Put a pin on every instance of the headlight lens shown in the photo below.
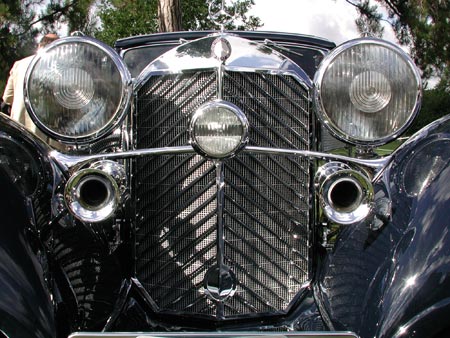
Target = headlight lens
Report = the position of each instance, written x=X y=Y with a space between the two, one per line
x=368 y=91
x=218 y=129
x=77 y=89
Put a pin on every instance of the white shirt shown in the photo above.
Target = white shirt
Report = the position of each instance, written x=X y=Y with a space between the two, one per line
x=13 y=95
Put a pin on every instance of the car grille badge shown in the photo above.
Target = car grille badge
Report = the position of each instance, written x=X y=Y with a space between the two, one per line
x=219 y=283
x=221 y=49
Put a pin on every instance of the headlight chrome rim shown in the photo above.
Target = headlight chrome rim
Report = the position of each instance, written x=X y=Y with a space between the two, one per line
x=322 y=114
x=121 y=107
x=228 y=106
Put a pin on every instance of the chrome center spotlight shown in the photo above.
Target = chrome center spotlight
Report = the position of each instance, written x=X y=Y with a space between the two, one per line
x=218 y=129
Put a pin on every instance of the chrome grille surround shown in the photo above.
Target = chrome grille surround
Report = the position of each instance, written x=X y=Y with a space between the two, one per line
x=250 y=213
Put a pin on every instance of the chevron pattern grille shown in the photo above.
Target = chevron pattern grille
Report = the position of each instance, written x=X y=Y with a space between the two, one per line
x=266 y=209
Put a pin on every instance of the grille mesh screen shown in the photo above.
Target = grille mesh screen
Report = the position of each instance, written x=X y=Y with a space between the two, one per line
x=266 y=196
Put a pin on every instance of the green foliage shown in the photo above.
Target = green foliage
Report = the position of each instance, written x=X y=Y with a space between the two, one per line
x=77 y=15
x=423 y=25
x=196 y=16
x=80 y=17
x=435 y=104
x=369 y=19
x=17 y=34
x=122 y=18
x=23 y=21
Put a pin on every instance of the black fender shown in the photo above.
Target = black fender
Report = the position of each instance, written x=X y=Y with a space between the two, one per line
x=25 y=304
x=394 y=281
x=416 y=295
x=413 y=290
x=26 y=308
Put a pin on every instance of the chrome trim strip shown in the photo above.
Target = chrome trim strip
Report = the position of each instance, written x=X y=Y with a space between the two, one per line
x=220 y=183
x=244 y=334
x=68 y=161
x=376 y=164
x=220 y=74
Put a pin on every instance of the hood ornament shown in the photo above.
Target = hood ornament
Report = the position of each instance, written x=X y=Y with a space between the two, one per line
x=219 y=12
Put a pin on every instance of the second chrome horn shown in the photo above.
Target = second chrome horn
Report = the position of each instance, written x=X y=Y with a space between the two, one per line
x=345 y=194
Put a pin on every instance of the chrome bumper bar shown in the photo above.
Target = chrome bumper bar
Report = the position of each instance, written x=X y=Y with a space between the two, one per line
x=214 y=335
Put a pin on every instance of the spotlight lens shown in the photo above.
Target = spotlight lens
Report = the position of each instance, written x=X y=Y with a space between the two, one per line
x=218 y=129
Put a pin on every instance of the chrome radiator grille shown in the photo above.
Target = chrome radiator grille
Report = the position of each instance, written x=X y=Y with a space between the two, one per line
x=266 y=206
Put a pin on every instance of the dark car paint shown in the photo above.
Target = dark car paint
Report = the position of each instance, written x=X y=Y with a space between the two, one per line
x=395 y=282
x=403 y=288
x=416 y=284
x=251 y=35
x=26 y=309
x=414 y=288
x=390 y=282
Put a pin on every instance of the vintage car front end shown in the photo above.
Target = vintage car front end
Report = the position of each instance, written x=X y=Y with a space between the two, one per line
x=204 y=194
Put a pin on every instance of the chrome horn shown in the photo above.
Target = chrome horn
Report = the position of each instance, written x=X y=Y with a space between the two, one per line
x=93 y=194
x=345 y=194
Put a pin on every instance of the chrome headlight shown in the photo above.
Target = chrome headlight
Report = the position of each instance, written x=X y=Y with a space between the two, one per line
x=367 y=91
x=218 y=129
x=77 y=89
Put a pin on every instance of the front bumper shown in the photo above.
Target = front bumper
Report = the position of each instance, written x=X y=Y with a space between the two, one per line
x=214 y=335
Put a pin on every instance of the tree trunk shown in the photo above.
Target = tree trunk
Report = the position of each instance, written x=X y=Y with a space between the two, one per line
x=169 y=15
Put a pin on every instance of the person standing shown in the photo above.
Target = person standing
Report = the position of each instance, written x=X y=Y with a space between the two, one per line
x=5 y=108
x=13 y=94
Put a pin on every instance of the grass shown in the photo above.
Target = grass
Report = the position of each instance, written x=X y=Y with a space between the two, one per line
x=383 y=150
x=389 y=147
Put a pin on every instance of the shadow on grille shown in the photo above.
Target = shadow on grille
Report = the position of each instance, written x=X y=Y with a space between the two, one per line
x=266 y=197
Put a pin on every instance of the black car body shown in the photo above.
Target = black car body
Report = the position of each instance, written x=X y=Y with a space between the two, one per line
x=224 y=184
